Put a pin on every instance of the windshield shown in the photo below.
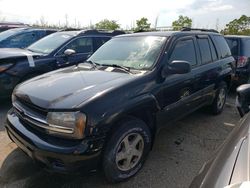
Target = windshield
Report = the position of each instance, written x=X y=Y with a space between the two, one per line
x=134 y=52
x=6 y=34
x=48 y=44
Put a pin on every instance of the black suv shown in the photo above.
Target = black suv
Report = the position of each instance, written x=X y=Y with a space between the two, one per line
x=106 y=110
x=240 y=49
x=55 y=51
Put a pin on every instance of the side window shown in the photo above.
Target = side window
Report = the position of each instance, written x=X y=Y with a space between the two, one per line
x=206 y=56
x=184 y=50
x=80 y=45
x=23 y=40
x=99 y=41
x=222 y=46
x=213 y=51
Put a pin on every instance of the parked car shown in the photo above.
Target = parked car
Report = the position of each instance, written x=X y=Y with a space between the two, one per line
x=106 y=111
x=22 y=37
x=230 y=165
x=240 y=48
x=11 y=25
x=55 y=51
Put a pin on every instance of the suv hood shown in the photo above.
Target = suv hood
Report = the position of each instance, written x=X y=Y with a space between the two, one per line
x=16 y=52
x=68 y=88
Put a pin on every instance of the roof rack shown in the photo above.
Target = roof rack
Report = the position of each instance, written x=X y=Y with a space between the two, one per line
x=198 y=29
x=95 y=31
x=70 y=29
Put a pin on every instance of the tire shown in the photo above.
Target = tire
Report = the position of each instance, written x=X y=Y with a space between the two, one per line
x=131 y=141
x=220 y=99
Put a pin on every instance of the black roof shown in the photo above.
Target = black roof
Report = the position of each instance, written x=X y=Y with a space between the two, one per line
x=31 y=29
x=76 y=32
x=170 y=33
x=237 y=36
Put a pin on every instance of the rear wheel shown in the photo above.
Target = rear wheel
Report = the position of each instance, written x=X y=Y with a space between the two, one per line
x=220 y=99
x=126 y=150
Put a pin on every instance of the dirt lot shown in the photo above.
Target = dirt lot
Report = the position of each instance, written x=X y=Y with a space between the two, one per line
x=178 y=154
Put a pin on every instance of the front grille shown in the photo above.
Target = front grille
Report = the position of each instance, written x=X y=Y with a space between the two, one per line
x=37 y=120
x=30 y=116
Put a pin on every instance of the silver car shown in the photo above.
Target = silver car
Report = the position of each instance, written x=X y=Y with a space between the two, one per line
x=230 y=166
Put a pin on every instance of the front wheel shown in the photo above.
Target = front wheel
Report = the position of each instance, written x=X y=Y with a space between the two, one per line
x=126 y=150
x=220 y=99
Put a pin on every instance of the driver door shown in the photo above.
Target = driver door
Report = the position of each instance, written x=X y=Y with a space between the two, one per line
x=83 y=47
x=179 y=91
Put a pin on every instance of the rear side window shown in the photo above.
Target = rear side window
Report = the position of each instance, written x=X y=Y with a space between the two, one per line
x=206 y=55
x=184 y=50
x=233 y=45
x=99 y=41
x=222 y=47
x=246 y=47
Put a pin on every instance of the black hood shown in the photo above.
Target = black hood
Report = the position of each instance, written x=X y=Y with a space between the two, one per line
x=68 y=88
x=16 y=53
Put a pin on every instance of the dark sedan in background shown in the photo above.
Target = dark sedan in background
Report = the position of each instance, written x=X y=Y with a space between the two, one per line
x=22 y=37
x=55 y=51
x=230 y=166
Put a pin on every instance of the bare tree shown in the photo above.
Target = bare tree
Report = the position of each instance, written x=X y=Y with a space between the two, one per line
x=43 y=22
x=217 y=24
x=66 y=21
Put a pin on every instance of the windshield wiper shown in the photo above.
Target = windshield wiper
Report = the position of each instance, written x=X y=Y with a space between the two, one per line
x=92 y=63
x=126 y=69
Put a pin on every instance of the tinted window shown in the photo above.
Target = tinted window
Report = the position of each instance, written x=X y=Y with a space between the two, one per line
x=80 y=45
x=184 y=50
x=213 y=51
x=206 y=56
x=23 y=40
x=100 y=41
x=233 y=45
x=222 y=47
x=246 y=47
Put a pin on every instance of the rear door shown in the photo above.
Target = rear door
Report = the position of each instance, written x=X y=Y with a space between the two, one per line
x=210 y=67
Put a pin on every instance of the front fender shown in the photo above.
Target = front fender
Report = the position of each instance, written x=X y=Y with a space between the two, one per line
x=107 y=121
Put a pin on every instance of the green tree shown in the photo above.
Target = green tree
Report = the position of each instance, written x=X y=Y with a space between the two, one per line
x=239 y=26
x=183 y=21
x=107 y=24
x=142 y=24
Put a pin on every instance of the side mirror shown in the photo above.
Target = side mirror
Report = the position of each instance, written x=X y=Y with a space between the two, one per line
x=69 y=52
x=243 y=99
x=176 y=67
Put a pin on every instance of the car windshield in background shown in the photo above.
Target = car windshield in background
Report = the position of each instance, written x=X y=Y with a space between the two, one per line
x=48 y=44
x=233 y=45
x=134 y=52
x=5 y=34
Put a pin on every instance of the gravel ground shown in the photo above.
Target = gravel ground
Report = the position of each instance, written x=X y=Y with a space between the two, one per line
x=179 y=152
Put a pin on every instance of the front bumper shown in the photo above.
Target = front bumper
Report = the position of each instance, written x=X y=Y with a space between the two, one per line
x=56 y=153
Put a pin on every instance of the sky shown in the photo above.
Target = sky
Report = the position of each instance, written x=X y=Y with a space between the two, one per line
x=204 y=13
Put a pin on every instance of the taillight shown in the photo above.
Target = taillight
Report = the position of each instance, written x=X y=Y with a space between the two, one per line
x=242 y=61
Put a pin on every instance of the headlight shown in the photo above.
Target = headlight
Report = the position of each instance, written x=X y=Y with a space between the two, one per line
x=5 y=66
x=68 y=124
